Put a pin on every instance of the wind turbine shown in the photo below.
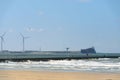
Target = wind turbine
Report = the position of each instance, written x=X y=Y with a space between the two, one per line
x=2 y=40
x=23 y=40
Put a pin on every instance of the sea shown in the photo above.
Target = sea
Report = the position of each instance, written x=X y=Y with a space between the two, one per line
x=108 y=65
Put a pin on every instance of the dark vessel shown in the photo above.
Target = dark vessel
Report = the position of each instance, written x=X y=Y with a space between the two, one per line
x=88 y=50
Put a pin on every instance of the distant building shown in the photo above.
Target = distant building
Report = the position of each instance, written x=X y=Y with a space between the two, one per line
x=88 y=50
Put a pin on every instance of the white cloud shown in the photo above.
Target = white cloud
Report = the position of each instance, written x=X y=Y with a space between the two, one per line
x=30 y=29
x=59 y=28
x=11 y=30
x=85 y=1
x=40 y=30
x=40 y=13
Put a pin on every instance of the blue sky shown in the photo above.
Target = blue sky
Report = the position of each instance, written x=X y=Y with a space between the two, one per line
x=57 y=24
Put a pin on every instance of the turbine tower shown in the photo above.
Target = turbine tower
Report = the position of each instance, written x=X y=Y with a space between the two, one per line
x=23 y=41
x=2 y=40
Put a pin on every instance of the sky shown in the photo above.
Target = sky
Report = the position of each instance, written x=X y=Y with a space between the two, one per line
x=58 y=24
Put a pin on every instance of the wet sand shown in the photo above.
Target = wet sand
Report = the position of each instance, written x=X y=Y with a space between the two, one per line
x=48 y=75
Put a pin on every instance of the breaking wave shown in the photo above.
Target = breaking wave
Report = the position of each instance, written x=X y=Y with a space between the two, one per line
x=94 y=65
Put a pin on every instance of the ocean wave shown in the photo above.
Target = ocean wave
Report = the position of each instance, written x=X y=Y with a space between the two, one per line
x=107 y=65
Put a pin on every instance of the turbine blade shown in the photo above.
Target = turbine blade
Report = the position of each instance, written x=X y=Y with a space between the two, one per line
x=21 y=34
x=24 y=36
x=4 y=34
x=2 y=39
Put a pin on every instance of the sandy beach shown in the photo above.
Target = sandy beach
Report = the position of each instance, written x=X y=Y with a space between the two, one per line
x=48 y=75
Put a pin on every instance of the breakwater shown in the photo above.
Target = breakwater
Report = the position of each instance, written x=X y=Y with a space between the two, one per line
x=52 y=55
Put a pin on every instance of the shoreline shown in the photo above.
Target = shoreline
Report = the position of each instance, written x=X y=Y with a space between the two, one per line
x=55 y=75
x=61 y=71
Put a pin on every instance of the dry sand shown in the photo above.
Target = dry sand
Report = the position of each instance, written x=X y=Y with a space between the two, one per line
x=44 y=75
